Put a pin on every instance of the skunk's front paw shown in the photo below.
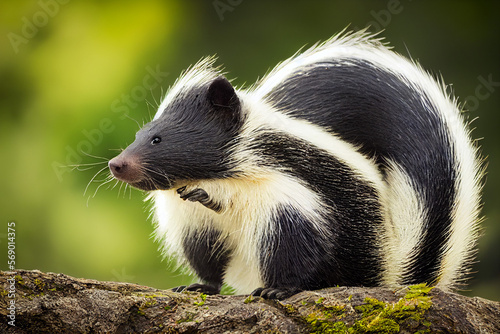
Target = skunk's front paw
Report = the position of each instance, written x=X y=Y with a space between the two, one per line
x=275 y=293
x=199 y=195
x=194 y=195
x=197 y=287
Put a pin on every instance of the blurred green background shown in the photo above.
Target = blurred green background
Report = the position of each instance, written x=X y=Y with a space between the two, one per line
x=76 y=75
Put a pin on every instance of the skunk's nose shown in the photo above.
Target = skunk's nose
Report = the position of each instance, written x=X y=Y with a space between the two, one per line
x=125 y=168
x=117 y=166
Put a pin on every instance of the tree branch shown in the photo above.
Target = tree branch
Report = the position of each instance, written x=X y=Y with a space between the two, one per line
x=52 y=303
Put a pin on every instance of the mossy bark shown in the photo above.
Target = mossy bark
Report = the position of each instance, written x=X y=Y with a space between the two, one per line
x=53 y=303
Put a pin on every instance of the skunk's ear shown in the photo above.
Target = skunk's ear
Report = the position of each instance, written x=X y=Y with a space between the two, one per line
x=225 y=104
x=222 y=94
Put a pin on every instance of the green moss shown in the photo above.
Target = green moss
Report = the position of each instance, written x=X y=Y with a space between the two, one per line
x=249 y=299
x=30 y=289
x=320 y=300
x=380 y=317
x=289 y=308
x=149 y=302
x=371 y=305
x=19 y=279
x=203 y=299
x=40 y=284
x=318 y=322
x=325 y=318
x=375 y=316
x=324 y=322
x=339 y=327
x=330 y=310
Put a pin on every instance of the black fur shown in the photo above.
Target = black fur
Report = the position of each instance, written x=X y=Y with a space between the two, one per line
x=380 y=112
x=297 y=256
x=207 y=255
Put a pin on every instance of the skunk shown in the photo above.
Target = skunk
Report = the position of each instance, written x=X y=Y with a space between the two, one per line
x=347 y=164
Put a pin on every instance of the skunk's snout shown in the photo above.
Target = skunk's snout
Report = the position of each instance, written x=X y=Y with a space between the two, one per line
x=125 y=168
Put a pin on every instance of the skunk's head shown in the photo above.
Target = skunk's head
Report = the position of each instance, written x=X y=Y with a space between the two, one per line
x=189 y=139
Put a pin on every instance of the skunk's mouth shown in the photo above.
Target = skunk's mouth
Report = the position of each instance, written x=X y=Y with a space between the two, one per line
x=149 y=185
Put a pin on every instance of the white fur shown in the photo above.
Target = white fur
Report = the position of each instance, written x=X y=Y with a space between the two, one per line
x=405 y=218
x=465 y=228
x=249 y=204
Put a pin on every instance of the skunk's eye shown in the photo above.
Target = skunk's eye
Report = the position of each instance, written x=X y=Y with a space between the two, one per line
x=155 y=140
